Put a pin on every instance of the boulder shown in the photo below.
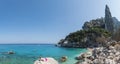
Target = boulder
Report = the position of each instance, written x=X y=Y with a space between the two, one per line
x=10 y=52
x=48 y=60
x=63 y=58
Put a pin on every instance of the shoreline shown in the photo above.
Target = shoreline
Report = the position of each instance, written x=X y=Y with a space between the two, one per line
x=101 y=55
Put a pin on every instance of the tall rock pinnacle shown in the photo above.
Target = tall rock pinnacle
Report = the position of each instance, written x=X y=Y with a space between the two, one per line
x=109 y=25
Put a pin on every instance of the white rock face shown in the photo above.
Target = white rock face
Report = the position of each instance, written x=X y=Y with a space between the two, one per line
x=46 y=61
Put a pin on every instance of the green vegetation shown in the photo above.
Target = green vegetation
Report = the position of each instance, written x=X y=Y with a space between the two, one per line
x=99 y=32
x=96 y=32
x=80 y=38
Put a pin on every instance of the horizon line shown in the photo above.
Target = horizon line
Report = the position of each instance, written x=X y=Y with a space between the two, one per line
x=26 y=43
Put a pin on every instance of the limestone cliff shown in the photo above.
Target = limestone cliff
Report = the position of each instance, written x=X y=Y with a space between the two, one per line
x=94 y=32
x=109 y=24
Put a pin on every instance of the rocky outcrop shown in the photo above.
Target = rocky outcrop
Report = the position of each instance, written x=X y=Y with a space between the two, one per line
x=94 y=33
x=102 y=55
x=116 y=24
x=10 y=52
x=94 y=23
x=100 y=22
x=109 y=24
x=93 y=37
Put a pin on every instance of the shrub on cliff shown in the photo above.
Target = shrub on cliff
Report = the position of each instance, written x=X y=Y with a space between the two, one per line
x=82 y=38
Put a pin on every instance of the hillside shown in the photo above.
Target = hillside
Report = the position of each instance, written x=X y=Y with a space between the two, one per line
x=94 y=33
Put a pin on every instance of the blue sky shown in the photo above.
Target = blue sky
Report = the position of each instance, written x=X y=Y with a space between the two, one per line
x=47 y=21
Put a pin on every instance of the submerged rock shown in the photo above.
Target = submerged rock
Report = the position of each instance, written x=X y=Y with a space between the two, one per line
x=10 y=52
x=63 y=59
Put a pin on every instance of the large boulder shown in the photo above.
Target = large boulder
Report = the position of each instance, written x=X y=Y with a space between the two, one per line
x=47 y=60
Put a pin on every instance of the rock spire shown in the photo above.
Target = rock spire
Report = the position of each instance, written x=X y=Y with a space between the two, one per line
x=109 y=25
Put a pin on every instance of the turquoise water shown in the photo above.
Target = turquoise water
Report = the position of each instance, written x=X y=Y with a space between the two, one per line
x=28 y=53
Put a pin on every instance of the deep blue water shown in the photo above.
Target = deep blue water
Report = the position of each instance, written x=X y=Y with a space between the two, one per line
x=28 y=53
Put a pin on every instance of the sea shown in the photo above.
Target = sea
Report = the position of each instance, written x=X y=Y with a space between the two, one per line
x=28 y=53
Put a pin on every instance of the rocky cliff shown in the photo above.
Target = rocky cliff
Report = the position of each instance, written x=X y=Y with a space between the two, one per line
x=116 y=24
x=95 y=32
x=94 y=23
x=108 y=23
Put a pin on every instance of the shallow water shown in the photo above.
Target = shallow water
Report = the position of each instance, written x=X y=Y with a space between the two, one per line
x=28 y=53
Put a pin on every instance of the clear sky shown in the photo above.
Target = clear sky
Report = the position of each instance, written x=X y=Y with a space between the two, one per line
x=47 y=21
